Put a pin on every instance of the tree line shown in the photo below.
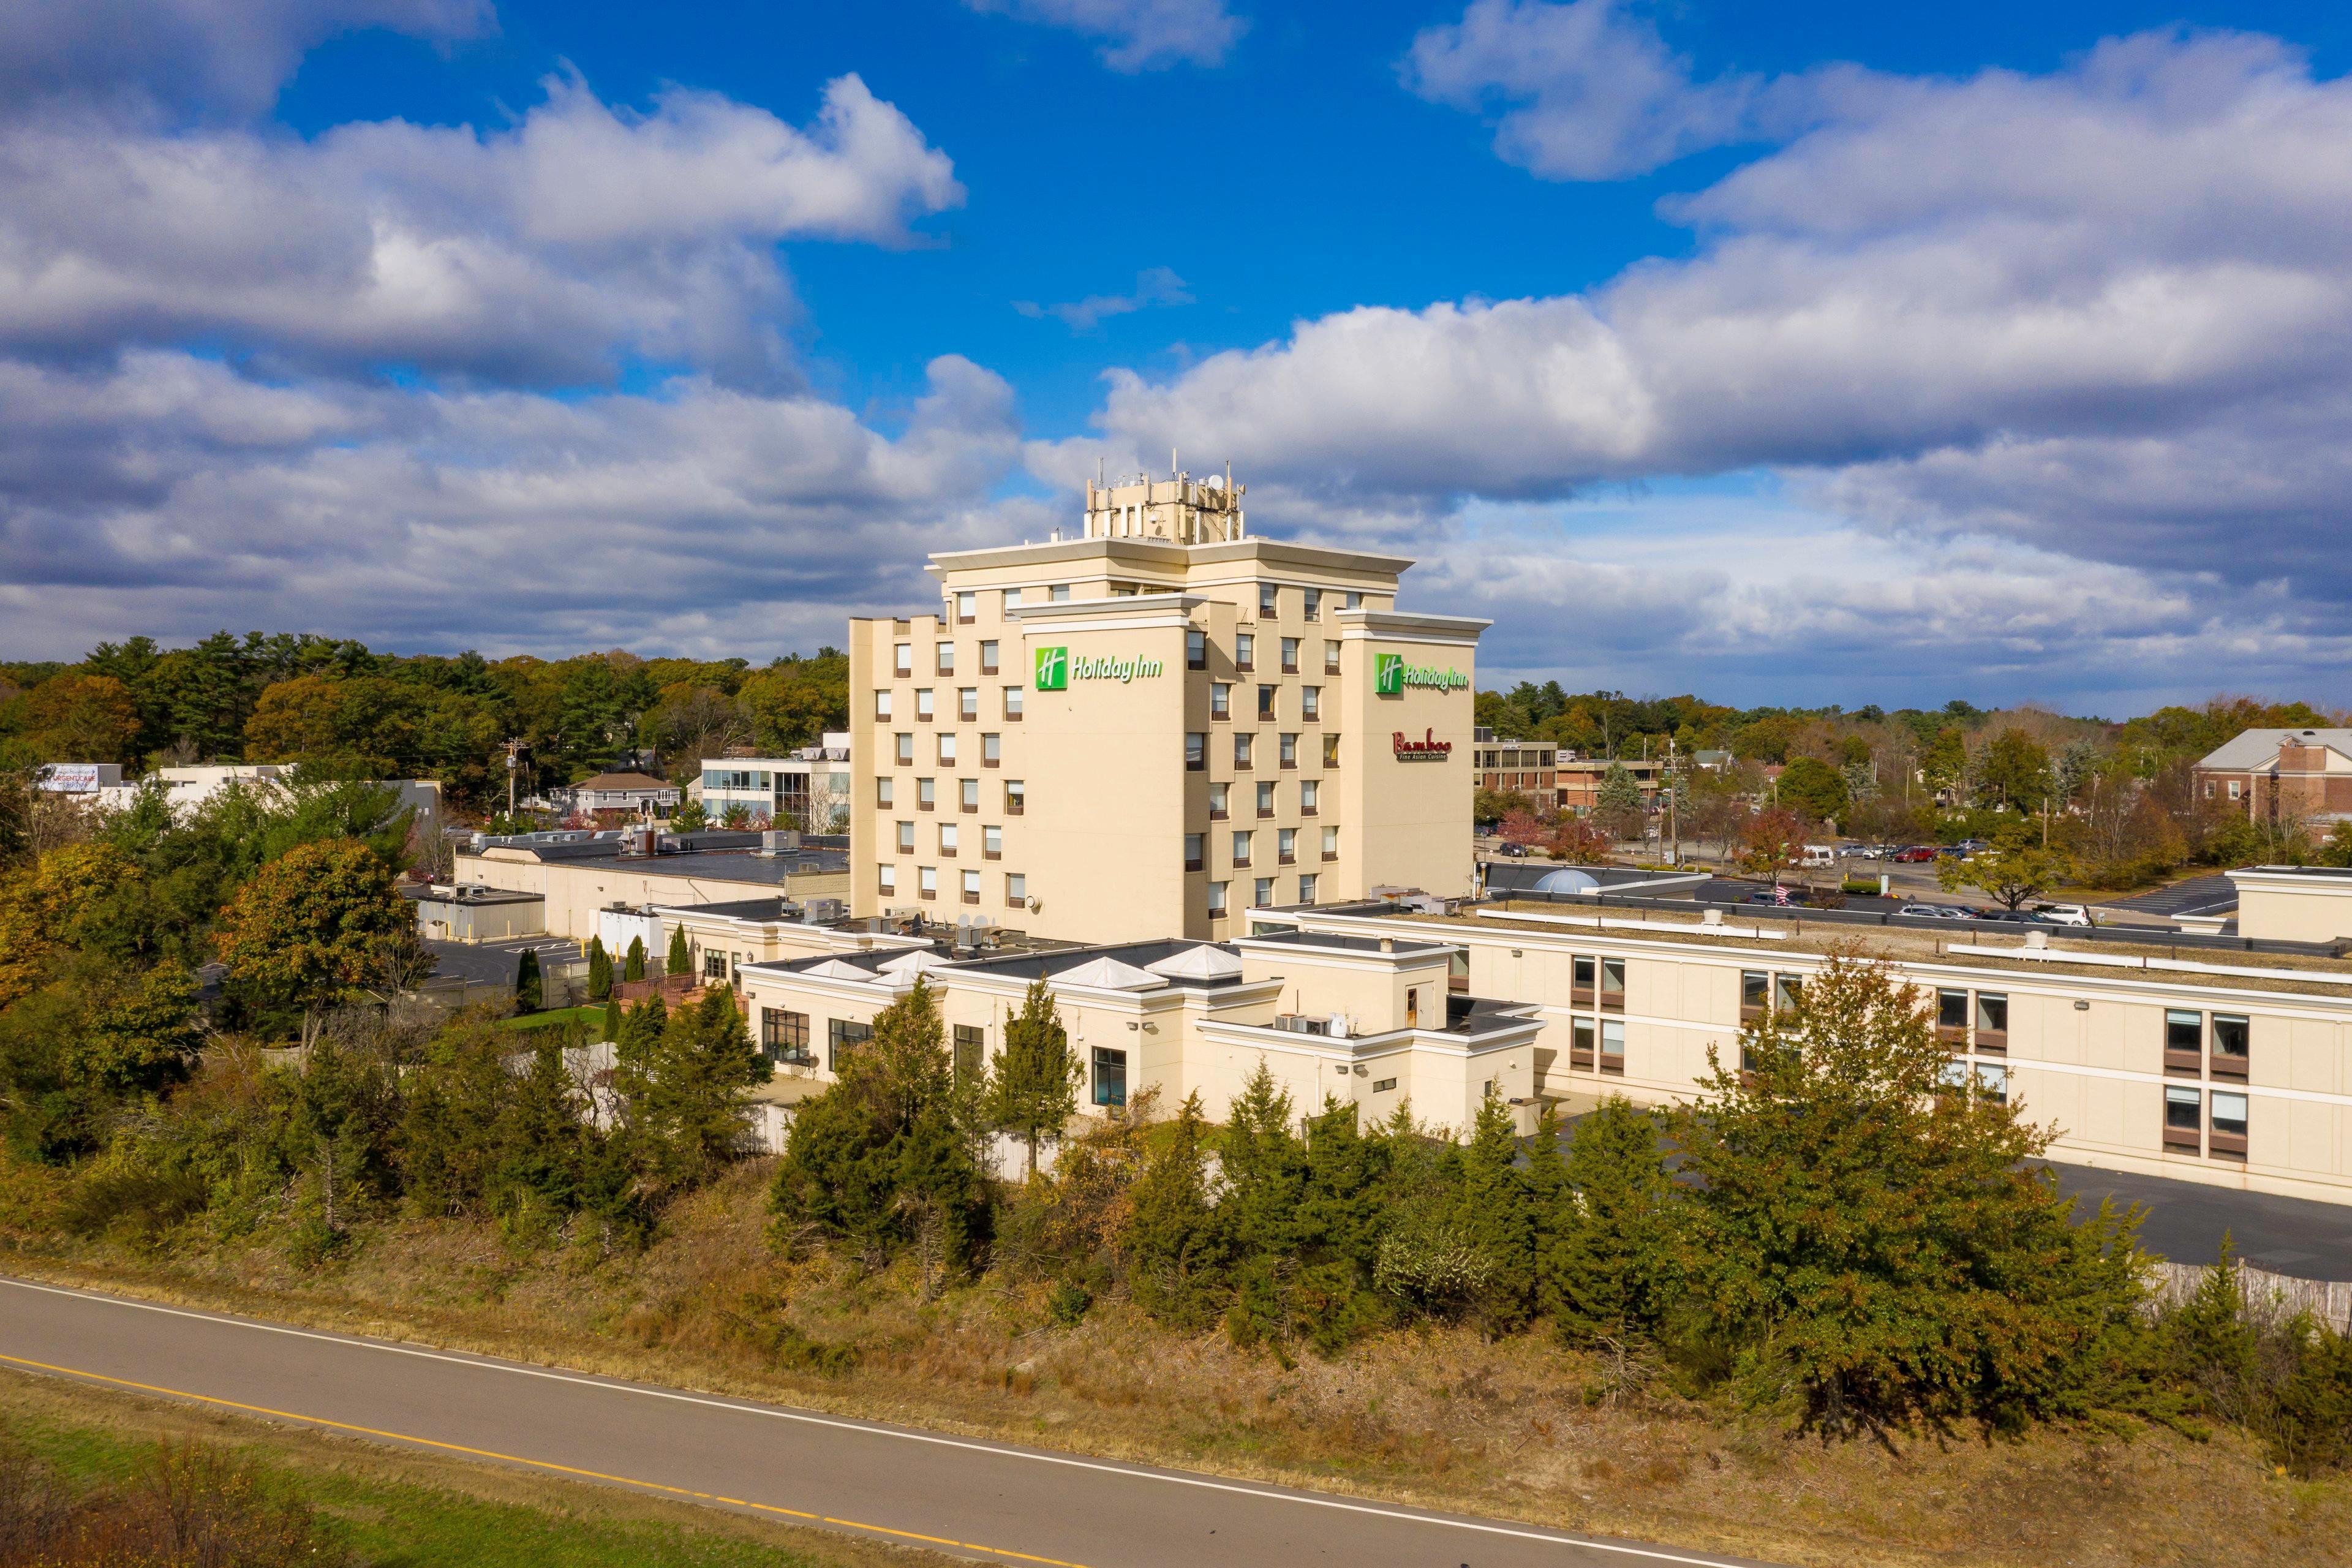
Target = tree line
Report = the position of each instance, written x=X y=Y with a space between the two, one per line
x=336 y=704
x=1837 y=1230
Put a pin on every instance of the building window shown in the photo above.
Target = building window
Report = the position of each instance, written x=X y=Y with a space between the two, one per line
x=2232 y=1046
x=1412 y=1006
x=1289 y=750
x=926 y=881
x=1952 y=1017
x=1310 y=797
x=1353 y=602
x=1217 y=900
x=946 y=748
x=2183 y=1111
x=1263 y=894
x=1310 y=703
x=1612 y=984
x=1384 y=1085
x=1269 y=599
x=1265 y=702
x=1244 y=651
x=714 y=966
x=1058 y=594
x=927 y=793
x=1307 y=889
x=1220 y=700
x=1016 y=797
x=1755 y=992
x=1992 y=1021
x=1290 y=655
x=2233 y=789
x=1192 y=861
x=887 y=882
x=784 y=1036
x=968 y=793
x=1285 y=847
x=1330 y=658
x=906 y=838
x=1993 y=1082
x=886 y=790
x=1110 y=1075
x=1330 y=844
x=842 y=1036
x=1310 y=603
x=1196 y=751
x=948 y=839
x=1331 y=751
x=922 y=704
x=1217 y=799
x=1016 y=889
x=1241 y=848
x=1266 y=798
x=968 y=704
x=988 y=656
x=2228 y=1131
x=2184 y=1042
x=972 y=887
x=1011 y=598
x=991 y=749
x=1613 y=1041
x=971 y=1052
x=1196 y=650
x=1242 y=750
x=946 y=652
x=905 y=746
x=1013 y=705
x=967 y=604
x=992 y=842
x=903 y=659
x=882 y=703
x=1788 y=990
x=1579 y=1045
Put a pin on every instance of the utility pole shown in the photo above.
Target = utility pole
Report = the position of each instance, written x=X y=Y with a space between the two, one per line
x=514 y=749
x=1673 y=820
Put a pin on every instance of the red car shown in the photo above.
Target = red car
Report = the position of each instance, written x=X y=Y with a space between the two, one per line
x=1913 y=855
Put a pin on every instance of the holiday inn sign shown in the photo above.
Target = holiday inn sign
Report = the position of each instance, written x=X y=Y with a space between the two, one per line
x=1057 y=668
x=1391 y=675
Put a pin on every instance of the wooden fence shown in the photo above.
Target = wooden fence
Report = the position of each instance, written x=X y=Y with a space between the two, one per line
x=2269 y=1296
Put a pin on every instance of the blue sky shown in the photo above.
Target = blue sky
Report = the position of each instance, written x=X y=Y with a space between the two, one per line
x=1856 y=353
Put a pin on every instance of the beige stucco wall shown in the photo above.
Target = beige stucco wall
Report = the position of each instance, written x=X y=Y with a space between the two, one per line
x=575 y=892
x=2293 y=908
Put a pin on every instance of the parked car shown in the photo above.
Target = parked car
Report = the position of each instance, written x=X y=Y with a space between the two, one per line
x=1947 y=852
x=1515 y=851
x=2065 y=914
x=1939 y=911
x=1914 y=854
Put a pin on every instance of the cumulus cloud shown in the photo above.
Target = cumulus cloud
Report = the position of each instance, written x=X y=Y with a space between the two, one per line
x=200 y=56
x=1153 y=286
x=538 y=252
x=170 y=494
x=2081 y=311
x=1137 y=35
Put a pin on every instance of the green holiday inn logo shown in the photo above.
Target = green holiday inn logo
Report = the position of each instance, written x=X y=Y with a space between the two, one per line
x=1057 y=668
x=1391 y=675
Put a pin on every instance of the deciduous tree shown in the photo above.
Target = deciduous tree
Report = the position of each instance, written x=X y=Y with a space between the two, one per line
x=302 y=932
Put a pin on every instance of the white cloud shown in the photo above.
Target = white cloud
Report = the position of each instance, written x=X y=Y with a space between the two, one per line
x=1153 y=286
x=204 y=57
x=171 y=495
x=2105 y=311
x=536 y=253
x=1137 y=35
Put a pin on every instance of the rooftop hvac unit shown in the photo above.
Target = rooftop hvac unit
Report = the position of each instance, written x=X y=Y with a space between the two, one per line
x=823 y=909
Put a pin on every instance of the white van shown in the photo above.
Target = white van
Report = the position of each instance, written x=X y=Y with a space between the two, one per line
x=1819 y=857
x=2065 y=914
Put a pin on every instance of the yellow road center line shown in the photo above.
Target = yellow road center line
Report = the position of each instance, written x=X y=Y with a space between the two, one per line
x=534 y=1464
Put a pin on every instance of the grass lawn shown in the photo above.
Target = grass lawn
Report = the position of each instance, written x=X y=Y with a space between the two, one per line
x=399 y=1510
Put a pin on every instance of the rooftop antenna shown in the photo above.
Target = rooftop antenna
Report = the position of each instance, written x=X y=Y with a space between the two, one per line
x=1171 y=462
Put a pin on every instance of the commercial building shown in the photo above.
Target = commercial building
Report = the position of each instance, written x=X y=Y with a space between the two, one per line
x=184 y=789
x=2270 y=774
x=1132 y=734
x=809 y=789
x=579 y=874
x=1515 y=767
x=1577 y=780
x=80 y=778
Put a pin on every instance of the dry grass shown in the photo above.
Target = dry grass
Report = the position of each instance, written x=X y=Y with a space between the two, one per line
x=1517 y=1428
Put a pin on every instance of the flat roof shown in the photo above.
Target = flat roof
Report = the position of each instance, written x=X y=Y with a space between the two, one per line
x=1405 y=946
x=721 y=866
x=1141 y=954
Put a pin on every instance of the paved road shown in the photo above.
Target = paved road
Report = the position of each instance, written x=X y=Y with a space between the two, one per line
x=987 y=1501
x=2186 y=1222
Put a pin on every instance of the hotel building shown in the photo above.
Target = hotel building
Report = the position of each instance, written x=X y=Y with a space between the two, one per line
x=1136 y=733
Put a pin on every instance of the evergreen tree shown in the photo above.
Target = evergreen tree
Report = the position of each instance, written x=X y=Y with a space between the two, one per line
x=600 y=969
x=1174 y=1259
x=683 y=1090
x=1264 y=1165
x=636 y=967
x=1034 y=1089
x=1495 y=1215
x=611 y=1029
x=526 y=983
x=1608 y=1264
x=1880 y=1246
x=682 y=960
